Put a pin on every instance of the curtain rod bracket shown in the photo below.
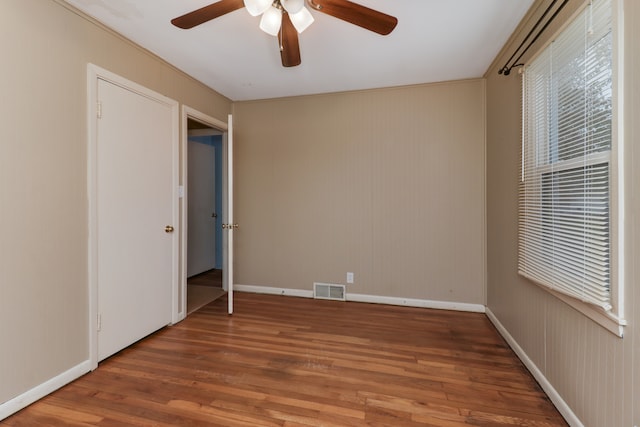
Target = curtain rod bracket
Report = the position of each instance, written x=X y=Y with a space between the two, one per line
x=507 y=70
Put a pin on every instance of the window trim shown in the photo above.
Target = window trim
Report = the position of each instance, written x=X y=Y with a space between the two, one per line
x=612 y=320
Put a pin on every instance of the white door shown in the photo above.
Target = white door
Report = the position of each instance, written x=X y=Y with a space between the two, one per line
x=231 y=225
x=202 y=208
x=134 y=192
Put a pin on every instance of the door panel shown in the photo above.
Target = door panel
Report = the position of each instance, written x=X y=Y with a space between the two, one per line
x=230 y=218
x=135 y=202
x=201 y=208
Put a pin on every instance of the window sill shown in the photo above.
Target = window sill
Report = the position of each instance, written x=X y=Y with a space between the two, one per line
x=607 y=320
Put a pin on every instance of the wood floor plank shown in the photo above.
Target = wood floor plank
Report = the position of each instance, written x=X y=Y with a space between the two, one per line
x=281 y=361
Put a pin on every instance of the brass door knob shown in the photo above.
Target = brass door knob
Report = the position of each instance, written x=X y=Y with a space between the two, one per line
x=168 y=229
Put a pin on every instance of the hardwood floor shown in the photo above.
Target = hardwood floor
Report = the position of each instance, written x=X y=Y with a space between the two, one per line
x=199 y=296
x=203 y=288
x=283 y=361
x=208 y=278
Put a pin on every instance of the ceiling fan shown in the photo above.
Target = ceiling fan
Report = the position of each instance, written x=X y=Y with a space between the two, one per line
x=286 y=18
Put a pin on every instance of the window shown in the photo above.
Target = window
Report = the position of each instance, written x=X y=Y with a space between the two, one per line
x=565 y=227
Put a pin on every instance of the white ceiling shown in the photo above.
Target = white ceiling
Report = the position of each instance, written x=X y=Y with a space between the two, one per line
x=435 y=40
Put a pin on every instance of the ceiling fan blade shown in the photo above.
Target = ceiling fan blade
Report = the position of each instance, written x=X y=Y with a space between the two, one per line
x=288 y=39
x=356 y=14
x=207 y=13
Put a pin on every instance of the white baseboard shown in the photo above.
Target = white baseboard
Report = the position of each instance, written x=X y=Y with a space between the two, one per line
x=413 y=302
x=553 y=394
x=273 y=291
x=27 y=398
x=375 y=299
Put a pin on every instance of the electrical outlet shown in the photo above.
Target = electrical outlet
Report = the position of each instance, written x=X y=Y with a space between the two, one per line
x=349 y=277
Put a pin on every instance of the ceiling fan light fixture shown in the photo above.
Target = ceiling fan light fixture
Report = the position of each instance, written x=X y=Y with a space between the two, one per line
x=292 y=6
x=257 y=7
x=271 y=21
x=286 y=19
x=301 y=20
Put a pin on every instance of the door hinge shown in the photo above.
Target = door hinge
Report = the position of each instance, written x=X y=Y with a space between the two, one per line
x=99 y=322
x=99 y=109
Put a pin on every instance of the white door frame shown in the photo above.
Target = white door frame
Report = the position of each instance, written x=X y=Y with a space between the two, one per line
x=191 y=113
x=94 y=73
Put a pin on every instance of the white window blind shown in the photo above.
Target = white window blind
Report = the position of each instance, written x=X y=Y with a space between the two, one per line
x=564 y=216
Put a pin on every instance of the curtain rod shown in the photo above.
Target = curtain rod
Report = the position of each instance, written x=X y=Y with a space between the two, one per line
x=506 y=69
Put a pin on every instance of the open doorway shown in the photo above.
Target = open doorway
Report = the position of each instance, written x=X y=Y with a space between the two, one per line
x=204 y=214
x=200 y=124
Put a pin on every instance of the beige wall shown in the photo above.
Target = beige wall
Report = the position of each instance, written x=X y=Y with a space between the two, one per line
x=45 y=49
x=388 y=184
x=595 y=372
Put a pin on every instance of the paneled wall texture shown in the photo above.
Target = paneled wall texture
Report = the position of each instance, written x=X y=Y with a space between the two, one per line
x=387 y=184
